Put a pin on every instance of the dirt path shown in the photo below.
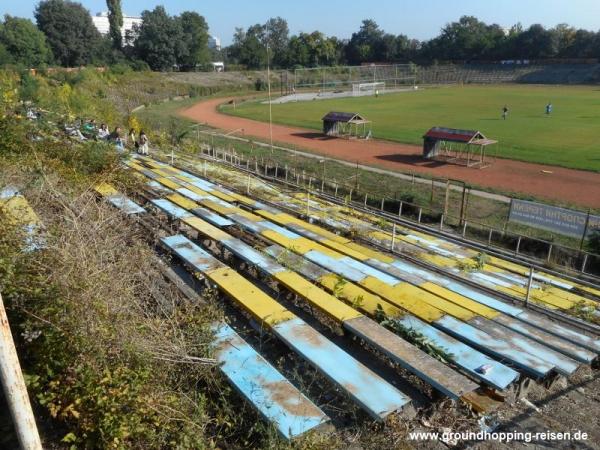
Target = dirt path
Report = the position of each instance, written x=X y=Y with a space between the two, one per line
x=568 y=185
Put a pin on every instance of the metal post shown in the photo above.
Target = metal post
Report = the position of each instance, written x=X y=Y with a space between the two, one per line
x=518 y=245
x=14 y=388
x=464 y=232
x=393 y=237
x=585 y=230
x=420 y=212
x=441 y=222
x=490 y=237
x=432 y=190
x=366 y=199
x=462 y=204
x=336 y=190
x=549 y=252
x=447 y=197
x=276 y=169
x=529 y=285
x=585 y=258
x=382 y=202
x=400 y=210
x=286 y=172
x=307 y=205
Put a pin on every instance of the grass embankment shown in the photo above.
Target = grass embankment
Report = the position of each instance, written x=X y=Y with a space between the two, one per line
x=104 y=340
x=100 y=337
x=113 y=354
x=568 y=137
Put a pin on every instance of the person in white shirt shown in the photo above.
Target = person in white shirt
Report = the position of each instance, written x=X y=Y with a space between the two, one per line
x=103 y=132
x=143 y=143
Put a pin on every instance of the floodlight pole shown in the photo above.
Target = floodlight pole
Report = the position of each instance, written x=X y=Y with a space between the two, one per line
x=270 y=104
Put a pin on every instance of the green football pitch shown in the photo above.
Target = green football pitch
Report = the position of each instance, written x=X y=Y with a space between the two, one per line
x=569 y=137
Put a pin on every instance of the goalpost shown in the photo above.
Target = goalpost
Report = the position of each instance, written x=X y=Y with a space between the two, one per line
x=344 y=78
x=360 y=89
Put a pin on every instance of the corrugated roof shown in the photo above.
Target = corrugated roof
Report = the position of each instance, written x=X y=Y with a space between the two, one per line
x=452 y=134
x=335 y=116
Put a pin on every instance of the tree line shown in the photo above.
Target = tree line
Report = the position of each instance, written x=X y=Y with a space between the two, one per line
x=64 y=35
x=466 y=40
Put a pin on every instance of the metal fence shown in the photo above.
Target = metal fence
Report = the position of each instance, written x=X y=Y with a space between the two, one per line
x=456 y=226
x=344 y=77
x=394 y=75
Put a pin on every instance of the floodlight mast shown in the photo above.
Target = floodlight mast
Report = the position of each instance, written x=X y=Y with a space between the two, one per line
x=269 y=90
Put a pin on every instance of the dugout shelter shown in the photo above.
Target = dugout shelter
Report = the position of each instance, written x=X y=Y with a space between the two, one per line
x=465 y=147
x=347 y=125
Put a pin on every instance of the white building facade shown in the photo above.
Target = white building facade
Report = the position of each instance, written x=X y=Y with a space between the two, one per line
x=101 y=23
x=214 y=43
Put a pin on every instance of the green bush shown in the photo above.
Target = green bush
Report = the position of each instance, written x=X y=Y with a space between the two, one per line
x=120 y=68
x=88 y=158
x=29 y=89
x=260 y=85
x=593 y=244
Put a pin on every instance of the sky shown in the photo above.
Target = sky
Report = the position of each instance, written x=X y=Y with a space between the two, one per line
x=417 y=19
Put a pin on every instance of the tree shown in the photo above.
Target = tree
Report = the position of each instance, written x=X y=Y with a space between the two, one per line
x=367 y=44
x=248 y=48
x=584 y=45
x=275 y=33
x=233 y=51
x=253 y=53
x=160 y=40
x=69 y=30
x=467 y=39
x=312 y=50
x=24 y=42
x=563 y=37
x=388 y=48
x=5 y=56
x=195 y=36
x=115 y=20
x=298 y=51
x=535 y=43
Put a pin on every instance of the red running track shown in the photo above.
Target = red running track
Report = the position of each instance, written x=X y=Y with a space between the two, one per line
x=567 y=185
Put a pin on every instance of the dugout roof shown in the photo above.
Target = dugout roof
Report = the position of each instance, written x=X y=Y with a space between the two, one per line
x=344 y=117
x=455 y=135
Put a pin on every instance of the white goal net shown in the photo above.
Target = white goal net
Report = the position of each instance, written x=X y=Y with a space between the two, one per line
x=359 y=89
